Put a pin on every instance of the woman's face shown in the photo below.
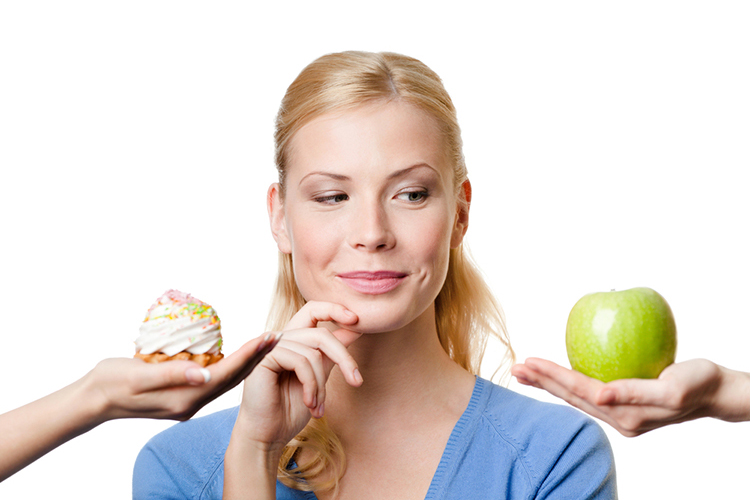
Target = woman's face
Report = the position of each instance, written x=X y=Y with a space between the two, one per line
x=369 y=213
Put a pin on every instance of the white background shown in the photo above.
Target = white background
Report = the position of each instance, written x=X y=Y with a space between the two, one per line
x=607 y=145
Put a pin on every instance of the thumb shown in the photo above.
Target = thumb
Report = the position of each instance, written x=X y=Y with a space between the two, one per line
x=173 y=374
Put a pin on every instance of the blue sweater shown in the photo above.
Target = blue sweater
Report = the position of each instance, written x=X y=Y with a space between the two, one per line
x=504 y=446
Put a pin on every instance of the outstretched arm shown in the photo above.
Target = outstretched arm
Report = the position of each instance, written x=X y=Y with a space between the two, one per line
x=684 y=391
x=119 y=388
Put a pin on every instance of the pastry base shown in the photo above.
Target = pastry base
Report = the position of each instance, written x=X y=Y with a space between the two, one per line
x=202 y=359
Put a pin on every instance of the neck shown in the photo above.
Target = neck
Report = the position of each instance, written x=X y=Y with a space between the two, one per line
x=405 y=372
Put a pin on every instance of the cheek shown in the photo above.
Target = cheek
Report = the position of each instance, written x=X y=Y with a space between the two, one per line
x=431 y=242
x=313 y=248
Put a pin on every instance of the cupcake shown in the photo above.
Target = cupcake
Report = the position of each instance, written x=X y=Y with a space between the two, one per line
x=179 y=326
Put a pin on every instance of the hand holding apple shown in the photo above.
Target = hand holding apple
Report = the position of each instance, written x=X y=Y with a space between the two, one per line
x=618 y=335
x=684 y=391
x=622 y=338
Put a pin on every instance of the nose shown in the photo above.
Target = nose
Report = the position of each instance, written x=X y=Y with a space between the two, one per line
x=370 y=228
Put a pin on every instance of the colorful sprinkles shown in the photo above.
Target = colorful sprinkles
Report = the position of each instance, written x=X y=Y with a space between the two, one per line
x=180 y=305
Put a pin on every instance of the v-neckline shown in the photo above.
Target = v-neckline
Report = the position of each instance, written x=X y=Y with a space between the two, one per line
x=452 y=447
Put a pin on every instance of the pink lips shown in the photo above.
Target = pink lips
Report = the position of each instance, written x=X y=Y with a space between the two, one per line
x=372 y=283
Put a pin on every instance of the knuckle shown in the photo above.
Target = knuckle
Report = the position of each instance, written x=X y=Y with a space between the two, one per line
x=628 y=396
x=133 y=382
x=316 y=355
x=182 y=411
x=625 y=393
x=631 y=424
x=321 y=336
x=677 y=400
x=578 y=389
x=629 y=433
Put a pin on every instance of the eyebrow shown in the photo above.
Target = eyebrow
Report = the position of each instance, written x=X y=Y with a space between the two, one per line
x=394 y=175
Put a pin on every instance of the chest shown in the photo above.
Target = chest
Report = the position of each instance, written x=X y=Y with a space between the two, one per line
x=401 y=476
x=398 y=467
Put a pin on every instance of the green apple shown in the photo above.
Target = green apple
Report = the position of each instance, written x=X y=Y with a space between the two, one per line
x=627 y=334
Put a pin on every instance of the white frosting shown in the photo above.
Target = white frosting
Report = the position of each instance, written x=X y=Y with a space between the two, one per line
x=178 y=322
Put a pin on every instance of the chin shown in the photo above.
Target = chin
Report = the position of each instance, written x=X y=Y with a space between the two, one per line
x=381 y=318
x=367 y=326
x=380 y=314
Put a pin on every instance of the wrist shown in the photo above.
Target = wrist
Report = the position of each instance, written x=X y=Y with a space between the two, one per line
x=250 y=466
x=243 y=440
x=732 y=401
x=249 y=454
x=95 y=406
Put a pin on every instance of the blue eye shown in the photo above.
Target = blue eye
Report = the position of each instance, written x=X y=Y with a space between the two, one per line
x=414 y=196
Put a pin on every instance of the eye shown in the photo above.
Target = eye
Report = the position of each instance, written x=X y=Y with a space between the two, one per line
x=413 y=196
x=332 y=199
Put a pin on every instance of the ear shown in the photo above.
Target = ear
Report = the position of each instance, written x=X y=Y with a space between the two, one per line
x=461 y=223
x=276 y=215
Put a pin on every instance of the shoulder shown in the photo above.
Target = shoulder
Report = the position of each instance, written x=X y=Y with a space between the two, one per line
x=184 y=460
x=515 y=416
x=557 y=447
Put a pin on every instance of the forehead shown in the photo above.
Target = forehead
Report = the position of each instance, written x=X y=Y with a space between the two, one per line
x=380 y=136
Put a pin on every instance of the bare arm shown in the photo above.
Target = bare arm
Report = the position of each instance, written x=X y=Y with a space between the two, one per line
x=37 y=428
x=119 y=388
x=684 y=391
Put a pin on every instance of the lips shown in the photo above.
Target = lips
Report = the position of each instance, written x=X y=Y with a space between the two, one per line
x=372 y=282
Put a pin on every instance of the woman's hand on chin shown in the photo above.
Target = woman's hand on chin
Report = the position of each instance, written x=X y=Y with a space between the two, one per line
x=289 y=386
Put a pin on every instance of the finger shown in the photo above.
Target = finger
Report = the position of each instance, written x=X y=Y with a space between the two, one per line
x=157 y=376
x=346 y=337
x=317 y=361
x=220 y=377
x=198 y=376
x=313 y=312
x=574 y=388
x=575 y=382
x=336 y=352
x=521 y=372
x=633 y=392
x=231 y=370
x=348 y=366
x=582 y=392
x=283 y=359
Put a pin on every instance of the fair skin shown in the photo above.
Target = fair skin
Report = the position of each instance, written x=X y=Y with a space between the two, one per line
x=119 y=388
x=367 y=190
x=684 y=391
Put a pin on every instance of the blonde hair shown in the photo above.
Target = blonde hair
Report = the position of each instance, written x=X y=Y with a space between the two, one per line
x=466 y=311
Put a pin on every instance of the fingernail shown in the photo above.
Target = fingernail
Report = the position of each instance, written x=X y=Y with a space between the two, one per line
x=349 y=313
x=264 y=342
x=197 y=376
x=358 y=376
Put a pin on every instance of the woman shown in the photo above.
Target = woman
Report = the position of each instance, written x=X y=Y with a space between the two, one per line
x=372 y=392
